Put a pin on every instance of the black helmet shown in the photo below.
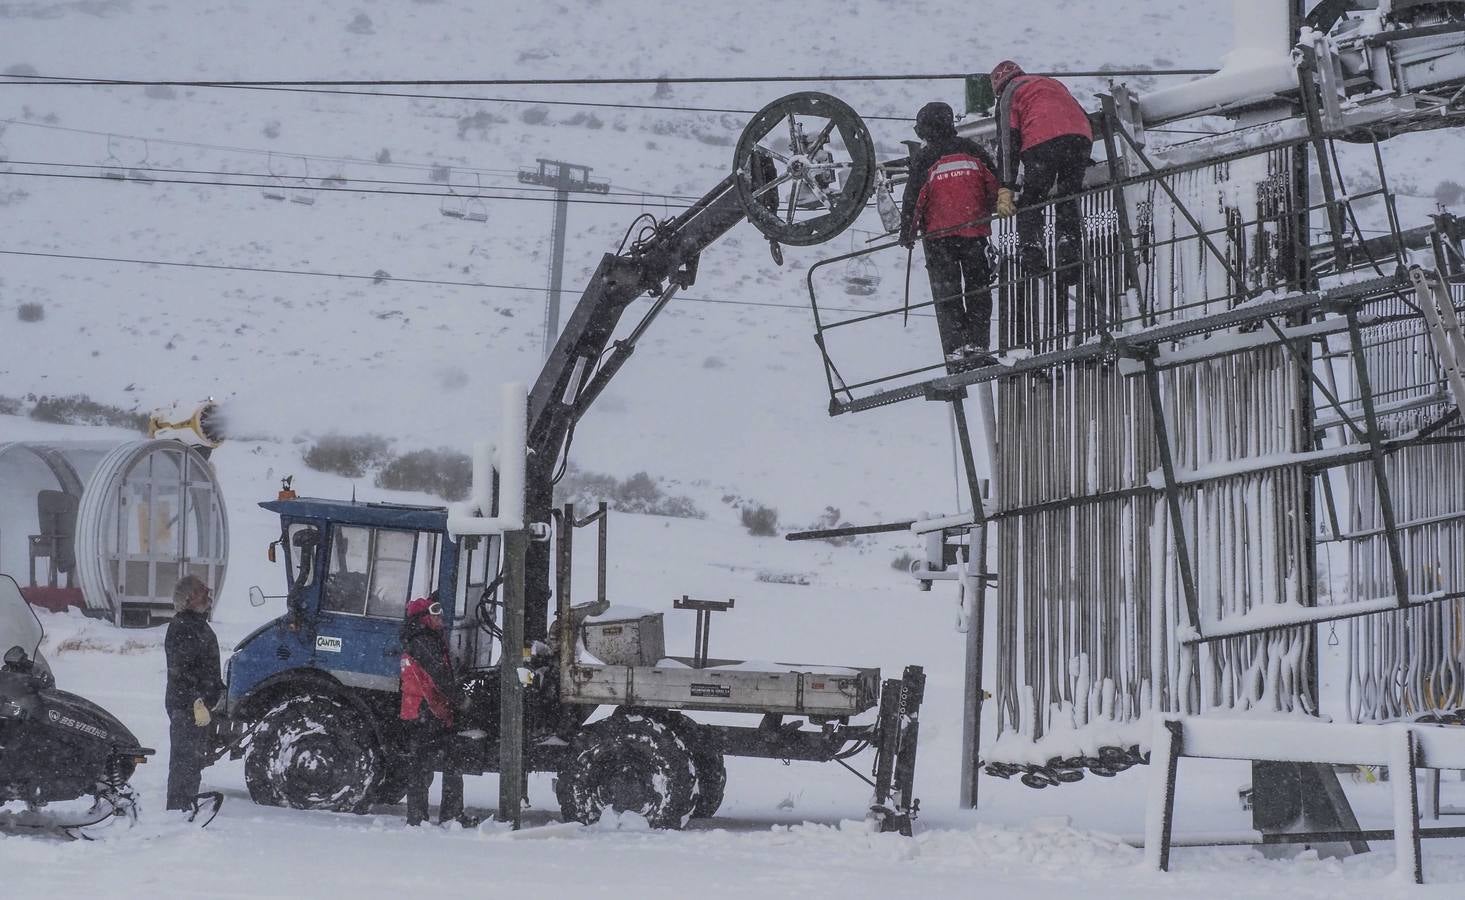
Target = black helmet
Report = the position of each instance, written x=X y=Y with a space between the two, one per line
x=935 y=120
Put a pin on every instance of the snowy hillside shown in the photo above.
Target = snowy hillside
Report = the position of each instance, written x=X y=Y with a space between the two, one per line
x=725 y=398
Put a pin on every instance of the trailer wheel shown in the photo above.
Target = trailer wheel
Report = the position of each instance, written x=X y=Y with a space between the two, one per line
x=629 y=763
x=707 y=759
x=313 y=752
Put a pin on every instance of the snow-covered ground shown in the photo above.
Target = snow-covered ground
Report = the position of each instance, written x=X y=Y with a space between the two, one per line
x=723 y=400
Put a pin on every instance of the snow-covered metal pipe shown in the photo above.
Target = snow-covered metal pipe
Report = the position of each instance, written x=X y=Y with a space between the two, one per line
x=508 y=457
x=1259 y=66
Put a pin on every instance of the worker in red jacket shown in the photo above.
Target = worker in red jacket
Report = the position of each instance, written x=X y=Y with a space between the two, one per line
x=949 y=199
x=1041 y=126
x=429 y=699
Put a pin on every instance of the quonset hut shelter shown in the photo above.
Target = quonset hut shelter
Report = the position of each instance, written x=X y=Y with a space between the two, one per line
x=110 y=527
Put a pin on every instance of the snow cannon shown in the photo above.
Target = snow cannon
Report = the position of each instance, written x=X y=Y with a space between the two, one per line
x=199 y=425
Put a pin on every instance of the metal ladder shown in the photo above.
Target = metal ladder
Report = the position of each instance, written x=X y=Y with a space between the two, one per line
x=1443 y=323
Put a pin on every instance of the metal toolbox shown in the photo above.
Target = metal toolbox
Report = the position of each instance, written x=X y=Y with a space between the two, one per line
x=730 y=686
x=637 y=640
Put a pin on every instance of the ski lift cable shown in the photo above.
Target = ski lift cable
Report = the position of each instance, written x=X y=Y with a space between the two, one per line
x=339 y=160
x=345 y=189
x=582 y=80
x=681 y=298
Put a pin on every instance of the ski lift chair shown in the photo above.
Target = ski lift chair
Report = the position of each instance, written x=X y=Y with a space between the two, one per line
x=303 y=193
x=453 y=205
x=275 y=190
x=140 y=171
x=861 y=277
x=112 y=166
x=475 y=210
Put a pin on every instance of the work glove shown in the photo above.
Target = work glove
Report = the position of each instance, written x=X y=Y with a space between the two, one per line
x=1006 y=204
x=201 y=715
x=908 y=241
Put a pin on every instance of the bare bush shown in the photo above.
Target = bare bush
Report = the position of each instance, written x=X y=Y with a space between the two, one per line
x=348 y=455
x=902 y=563
x=640 y=493
x=760 y=520
x=79 y=409
x=445 y=473
x=30 y=312
x=831 y=519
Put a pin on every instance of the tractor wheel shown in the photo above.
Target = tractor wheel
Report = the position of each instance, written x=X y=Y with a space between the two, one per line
x=707 y=759
x=629 y=762
x=313 y=752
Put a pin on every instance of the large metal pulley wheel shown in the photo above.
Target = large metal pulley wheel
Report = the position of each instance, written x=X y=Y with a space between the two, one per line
x=805 y=167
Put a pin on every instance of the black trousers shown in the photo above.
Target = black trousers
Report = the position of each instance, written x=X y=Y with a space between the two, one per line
x=961 y=288
x=187 y=744
x=429 y=749
x=1053 y=169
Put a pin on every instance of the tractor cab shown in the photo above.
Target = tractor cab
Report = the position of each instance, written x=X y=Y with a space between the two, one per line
x=350 y=569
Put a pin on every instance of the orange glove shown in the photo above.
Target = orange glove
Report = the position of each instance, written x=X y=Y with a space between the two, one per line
x=1006 y=203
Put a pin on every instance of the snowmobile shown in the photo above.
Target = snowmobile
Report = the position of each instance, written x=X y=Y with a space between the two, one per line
x=54 y=745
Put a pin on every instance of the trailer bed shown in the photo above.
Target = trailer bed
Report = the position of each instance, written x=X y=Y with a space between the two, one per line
x=728 y=686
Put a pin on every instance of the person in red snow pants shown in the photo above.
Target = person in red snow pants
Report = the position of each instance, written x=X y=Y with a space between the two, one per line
x=429 y=700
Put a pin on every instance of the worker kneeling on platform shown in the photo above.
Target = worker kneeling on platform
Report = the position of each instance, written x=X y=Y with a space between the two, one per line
x=1041 y=126
x=429 y=699
x=950 y=197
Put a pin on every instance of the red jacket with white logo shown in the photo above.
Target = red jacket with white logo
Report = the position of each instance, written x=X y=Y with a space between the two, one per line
x=959 y=187
x=425 y=663
x=1043 y=109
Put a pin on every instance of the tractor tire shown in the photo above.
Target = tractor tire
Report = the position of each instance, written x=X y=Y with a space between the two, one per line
x=707 y=759
x=629 y=762
x=313 y=752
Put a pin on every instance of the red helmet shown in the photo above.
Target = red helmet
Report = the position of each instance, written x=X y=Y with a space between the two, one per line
x=1004 y=72
x=423 y=606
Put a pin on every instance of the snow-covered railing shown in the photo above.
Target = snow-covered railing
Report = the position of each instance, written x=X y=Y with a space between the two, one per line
x=1403 y=748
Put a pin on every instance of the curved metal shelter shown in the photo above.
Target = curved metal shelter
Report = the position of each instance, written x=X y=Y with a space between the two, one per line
x=110 y=528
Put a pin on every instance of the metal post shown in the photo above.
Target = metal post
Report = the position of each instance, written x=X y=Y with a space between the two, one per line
x=1376 y=457
x=979 y=515
x=511 y=691
x=1172 y=492
x=556 y=267
x=971 y=720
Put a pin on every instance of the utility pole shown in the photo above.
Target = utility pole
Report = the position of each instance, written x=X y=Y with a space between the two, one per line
x=564 y=178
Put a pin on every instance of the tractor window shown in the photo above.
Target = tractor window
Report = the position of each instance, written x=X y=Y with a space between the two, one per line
x=424 y=573
x=302 y=542
x=391 y=574
x=347 y=578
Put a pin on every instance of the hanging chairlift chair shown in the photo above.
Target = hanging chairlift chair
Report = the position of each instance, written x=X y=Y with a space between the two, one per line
x=112 y=166
x=140 y=172
x=861 y=277
x=475 y=210
x=303 y=193
x=275 y=190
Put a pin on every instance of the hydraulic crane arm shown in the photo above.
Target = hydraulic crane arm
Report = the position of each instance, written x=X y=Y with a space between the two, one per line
x=785 y=150
x=580 y=366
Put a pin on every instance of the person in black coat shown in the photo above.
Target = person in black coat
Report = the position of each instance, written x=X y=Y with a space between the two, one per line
x=956 y=257
x=194 y=688
x=430 y=701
